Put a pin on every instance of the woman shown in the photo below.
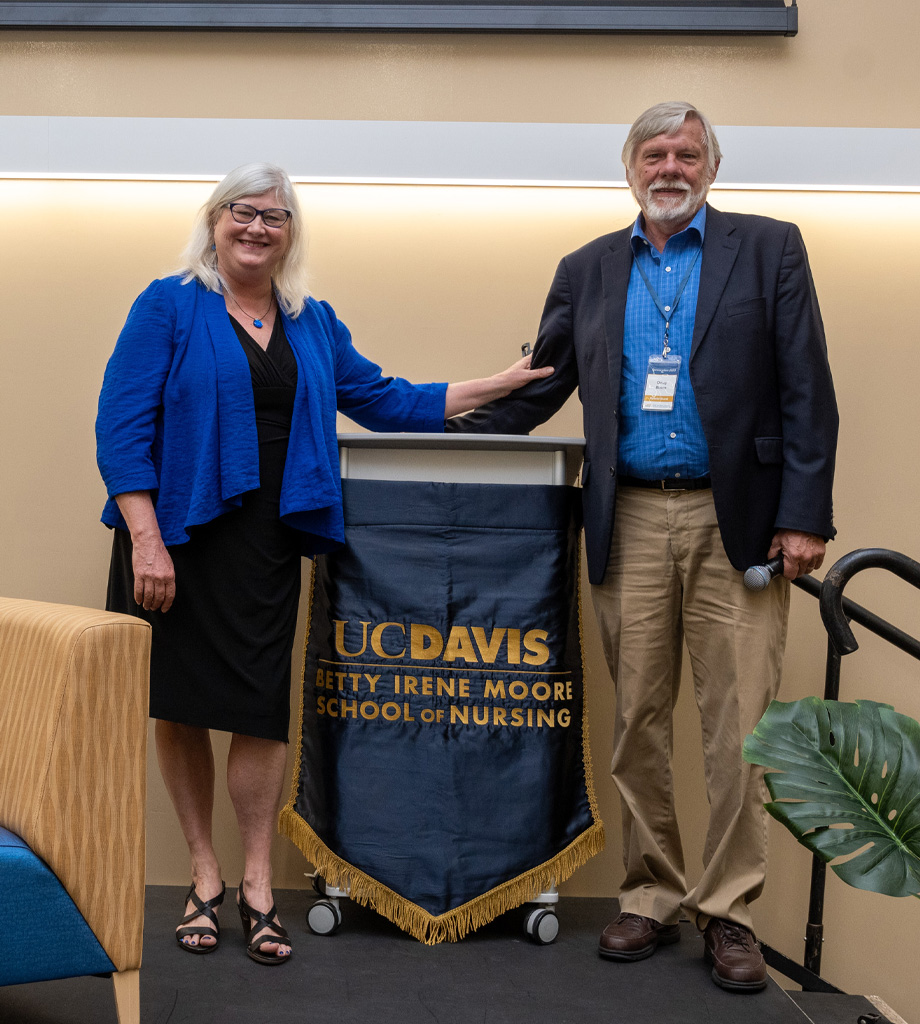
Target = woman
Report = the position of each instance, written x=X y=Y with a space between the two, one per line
x=216 y=440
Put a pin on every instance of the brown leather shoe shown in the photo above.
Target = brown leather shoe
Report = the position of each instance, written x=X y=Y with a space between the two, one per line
x=737 y=963
x=631 y=937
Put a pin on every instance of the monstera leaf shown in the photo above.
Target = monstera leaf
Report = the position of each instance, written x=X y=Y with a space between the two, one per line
x=846 y=783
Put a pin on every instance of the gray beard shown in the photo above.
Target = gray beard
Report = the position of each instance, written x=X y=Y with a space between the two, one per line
x=670 y=213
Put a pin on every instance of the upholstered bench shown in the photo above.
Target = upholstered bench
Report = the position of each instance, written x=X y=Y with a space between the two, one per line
x=73 y=739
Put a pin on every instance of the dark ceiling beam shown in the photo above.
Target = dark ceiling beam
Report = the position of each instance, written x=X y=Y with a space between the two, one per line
x=750 y=18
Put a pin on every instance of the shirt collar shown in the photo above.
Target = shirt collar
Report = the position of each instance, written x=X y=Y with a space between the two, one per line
x=698 y=225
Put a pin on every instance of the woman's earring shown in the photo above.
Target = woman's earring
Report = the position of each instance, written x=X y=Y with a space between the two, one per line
x=213 y=247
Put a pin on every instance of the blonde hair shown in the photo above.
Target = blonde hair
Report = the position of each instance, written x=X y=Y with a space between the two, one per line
x=199 y=260
x=668 y=119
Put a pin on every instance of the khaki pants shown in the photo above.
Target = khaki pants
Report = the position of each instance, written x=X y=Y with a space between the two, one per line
x=669 y=580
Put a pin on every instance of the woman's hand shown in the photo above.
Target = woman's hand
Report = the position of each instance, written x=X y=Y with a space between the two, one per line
x=154 y=575
x=469 y=394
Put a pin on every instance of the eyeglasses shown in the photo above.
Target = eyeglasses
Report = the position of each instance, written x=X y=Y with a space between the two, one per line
x=243 y=213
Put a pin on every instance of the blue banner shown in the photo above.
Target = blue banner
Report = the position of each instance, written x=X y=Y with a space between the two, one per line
x=443 y=774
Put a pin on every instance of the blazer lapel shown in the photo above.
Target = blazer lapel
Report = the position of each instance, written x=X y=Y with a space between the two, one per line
x=239 y=442
x=720 y=250
x=616 y=266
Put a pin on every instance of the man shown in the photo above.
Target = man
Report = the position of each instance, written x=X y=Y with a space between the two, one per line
x=696 y=343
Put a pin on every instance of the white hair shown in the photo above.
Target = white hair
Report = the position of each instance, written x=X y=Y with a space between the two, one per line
x=199 y=259
x=667 y=119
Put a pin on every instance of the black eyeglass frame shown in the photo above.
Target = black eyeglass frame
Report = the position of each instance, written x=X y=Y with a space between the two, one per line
x=258 y=213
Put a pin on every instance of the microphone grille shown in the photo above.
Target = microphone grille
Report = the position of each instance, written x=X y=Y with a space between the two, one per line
x=757 y=577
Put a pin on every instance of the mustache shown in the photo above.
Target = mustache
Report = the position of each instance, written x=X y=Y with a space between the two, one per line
x=671 y=186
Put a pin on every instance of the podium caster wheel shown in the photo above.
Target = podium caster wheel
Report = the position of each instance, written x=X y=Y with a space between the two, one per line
x=319 y=885
x=542 y=926
x=324 y=918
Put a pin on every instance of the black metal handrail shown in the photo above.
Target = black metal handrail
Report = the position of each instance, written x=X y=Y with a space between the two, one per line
x=832 y=603
x=837 y=612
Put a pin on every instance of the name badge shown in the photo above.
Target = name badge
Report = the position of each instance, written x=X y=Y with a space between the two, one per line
x=661 y=383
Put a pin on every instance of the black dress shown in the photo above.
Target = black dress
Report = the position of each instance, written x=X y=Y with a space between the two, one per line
x=221 y=656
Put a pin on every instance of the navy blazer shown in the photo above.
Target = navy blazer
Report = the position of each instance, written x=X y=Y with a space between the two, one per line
x=758 y=367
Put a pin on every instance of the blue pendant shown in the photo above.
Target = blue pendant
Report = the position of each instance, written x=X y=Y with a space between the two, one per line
x=256 y=323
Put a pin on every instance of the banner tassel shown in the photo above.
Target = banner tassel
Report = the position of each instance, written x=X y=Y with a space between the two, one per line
x=456 y=923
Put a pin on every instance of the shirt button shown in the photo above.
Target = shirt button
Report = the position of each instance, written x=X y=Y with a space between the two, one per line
x=677 y=474
x=667 y=309
x=668 y=269
x=673 y=434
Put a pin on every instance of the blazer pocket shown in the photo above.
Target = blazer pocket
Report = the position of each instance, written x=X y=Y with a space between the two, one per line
x=769 y=449
x=758 y=305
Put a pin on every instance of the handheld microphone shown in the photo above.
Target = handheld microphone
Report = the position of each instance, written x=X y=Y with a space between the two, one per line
x=758 y=576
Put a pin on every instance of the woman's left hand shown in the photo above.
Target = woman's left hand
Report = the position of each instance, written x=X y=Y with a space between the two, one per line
x=469 y=394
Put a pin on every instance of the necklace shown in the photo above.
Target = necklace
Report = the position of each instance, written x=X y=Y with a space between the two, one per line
x=256 y=320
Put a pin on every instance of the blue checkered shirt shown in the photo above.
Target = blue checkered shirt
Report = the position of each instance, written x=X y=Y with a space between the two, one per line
x=656 y=445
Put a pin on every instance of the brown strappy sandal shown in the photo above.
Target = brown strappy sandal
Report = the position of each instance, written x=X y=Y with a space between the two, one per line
x=203 y=908
x=254 y=922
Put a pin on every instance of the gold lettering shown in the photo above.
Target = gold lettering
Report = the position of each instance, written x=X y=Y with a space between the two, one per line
x=563 y=717
x=545 y=717
x=514 y=647
x=391 y=711
x=558 y=691
x=406 y=714
x=369 y=710
x=498 y=716
x=445 y=687
x=410 y=684
x=426 y=685
x=544 y=691
x=517 y=716
x=395 y=685
x=348 y=706
x=539 y=652
x=340 y=638
x=457 y=714
x=354 y=677
x=495 y=689
x=485 y=715
x=377 y=640
x=568 y=690
x=426 y=643
x=517 y=690
x=333 y=712
x=320 y=680
x=372 y=681
x=464 y=688
x=459 y=645
x=340 y=679
x=488 y=649
x=321 y=705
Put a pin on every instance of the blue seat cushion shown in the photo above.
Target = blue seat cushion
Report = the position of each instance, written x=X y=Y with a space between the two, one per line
x=42 y=934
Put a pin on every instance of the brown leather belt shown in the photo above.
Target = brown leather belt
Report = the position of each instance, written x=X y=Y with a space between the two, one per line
x=672 y=484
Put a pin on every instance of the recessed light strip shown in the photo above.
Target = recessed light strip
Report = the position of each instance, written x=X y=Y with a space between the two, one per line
x=443 y=152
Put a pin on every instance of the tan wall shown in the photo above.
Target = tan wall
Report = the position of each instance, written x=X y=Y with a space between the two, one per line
x=441 y=283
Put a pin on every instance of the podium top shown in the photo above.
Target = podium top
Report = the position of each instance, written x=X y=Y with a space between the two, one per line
x=462 y=442
x=473 y=458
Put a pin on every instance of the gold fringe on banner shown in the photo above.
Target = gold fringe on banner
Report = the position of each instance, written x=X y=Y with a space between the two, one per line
x=459 y=922
x=456 y=923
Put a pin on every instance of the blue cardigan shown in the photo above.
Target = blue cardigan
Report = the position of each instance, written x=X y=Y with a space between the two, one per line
x=176 y=413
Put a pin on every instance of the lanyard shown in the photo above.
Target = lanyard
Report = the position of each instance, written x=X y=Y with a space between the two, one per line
x=656 y=299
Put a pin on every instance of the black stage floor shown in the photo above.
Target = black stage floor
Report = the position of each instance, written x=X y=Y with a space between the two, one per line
x=371 y=973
